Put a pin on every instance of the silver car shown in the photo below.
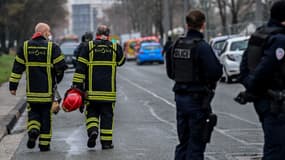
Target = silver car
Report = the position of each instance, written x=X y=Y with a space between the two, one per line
x=67 y=49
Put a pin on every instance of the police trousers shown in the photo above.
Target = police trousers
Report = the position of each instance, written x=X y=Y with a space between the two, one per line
x=189 y=116
x=40 y=119
x=274 y=130
x=100 y=113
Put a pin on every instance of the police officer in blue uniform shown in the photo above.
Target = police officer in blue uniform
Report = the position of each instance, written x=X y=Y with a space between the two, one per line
x=192 y=64
x=263 y=76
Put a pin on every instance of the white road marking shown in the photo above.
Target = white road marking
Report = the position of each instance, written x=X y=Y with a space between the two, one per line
x=70 y=140
x=151 y=110
x=172 y=105
x=239 y=118
x=148 y=91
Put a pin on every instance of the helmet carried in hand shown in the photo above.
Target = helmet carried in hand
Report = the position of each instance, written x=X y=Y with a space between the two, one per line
x=73 y=100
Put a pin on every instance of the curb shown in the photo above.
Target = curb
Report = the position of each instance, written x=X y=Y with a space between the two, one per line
x=11 y=119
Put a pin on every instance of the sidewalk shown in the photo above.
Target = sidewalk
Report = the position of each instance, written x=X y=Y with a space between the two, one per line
x=11 y=107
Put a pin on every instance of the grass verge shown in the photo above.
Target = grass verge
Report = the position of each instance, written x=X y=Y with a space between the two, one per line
x=6 y=63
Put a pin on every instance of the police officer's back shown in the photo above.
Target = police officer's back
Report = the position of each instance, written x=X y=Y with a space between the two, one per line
x=263 y=76
x=193 y=66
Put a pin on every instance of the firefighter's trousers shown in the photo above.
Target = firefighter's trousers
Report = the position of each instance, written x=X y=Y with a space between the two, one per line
x=100 y=113
x=40 y=118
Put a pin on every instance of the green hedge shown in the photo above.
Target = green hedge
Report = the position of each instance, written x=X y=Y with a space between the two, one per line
x=6 y=63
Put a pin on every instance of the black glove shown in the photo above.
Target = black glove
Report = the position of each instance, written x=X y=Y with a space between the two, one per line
x=81 y=109
x=244 y=97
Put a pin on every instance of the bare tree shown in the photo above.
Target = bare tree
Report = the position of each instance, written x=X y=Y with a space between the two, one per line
x=222 y=6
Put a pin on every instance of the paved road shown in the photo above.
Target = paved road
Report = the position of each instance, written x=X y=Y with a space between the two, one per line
x=145 y=126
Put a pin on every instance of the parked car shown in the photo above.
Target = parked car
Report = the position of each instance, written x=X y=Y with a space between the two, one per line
x=129 y=49
x=150 y=52
x=218 y=43
x=231 y=56
x=67 y=49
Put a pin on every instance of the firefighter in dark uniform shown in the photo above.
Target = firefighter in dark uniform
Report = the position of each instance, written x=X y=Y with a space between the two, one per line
x=88 y=36
x=192 y=64
x=96 y=75
x=43 y=64
x=263 y=75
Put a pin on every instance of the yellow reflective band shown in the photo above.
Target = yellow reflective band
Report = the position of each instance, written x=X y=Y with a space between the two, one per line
x=101 y=93
x=27 y=67
x=113 y=78
x=106 y=131
x=122 y=60
x=36 y=47
x=106 y=138
x=34 y=122
x=14 y=80
x=90 y=71
x=33 y=94
x=33 y=127
x=44 y=143
x=58 y=59
x=29 y=99
x=101 y=98
x=77 y=80
x=92 y=119
x=15 y=75
x=18 y=59
x=26 y=50
x=78 y=75
x=82 y=60
x=102 y=63
x=92 y=125
x=49 y=58
x=105 y=46
x=114 y=52
x=113 y=118
x=38 y=64
x=47 y=136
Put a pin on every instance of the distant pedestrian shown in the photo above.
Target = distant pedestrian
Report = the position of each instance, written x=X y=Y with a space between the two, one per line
x=167 y=45
x=192 y=64
x=88 y=36
x=44 y=66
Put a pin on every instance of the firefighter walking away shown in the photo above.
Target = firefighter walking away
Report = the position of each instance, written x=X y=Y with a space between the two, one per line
x=96 y=75
x=44 y=66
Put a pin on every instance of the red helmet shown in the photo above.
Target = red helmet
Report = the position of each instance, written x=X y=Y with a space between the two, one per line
x=73 y=100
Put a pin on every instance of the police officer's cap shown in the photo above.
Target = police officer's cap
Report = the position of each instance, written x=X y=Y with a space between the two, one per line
x=278 y=11
x=103 y=30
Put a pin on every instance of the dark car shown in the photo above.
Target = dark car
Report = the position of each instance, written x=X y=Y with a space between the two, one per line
x=67 y=49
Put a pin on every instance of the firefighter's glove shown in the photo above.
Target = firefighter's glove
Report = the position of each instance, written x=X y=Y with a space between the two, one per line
x=55 y=107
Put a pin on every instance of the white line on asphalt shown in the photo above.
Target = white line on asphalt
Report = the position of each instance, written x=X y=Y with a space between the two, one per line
x=74 y=149
x=151 y=110
x=172 y=105
x=123 y=93
x=148 y=91
x=241 y=129
x=230 y=136
x=211 y=157
x=239 y=118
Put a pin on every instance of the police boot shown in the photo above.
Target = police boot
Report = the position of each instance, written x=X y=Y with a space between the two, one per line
x=44 y=148
x=92 y=139
x=33 y=135
x=107 y=145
